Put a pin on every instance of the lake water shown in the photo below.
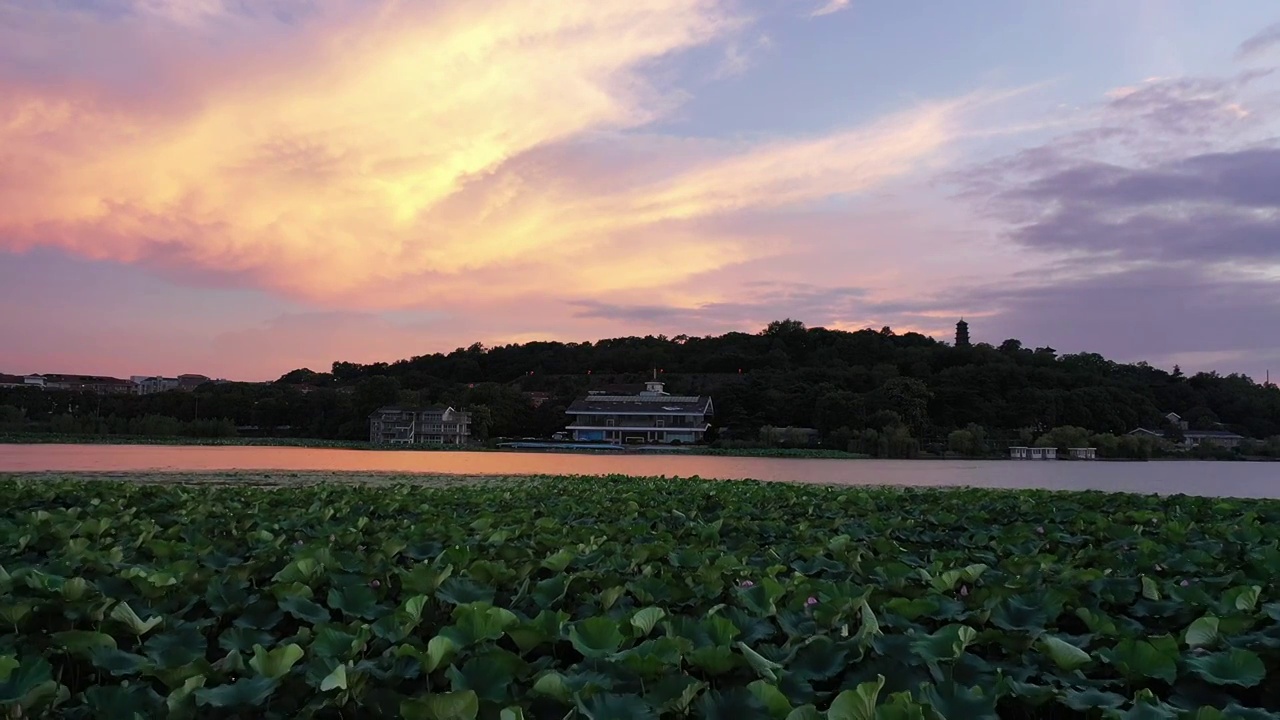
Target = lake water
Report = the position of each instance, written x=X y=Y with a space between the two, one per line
x=1192 y=478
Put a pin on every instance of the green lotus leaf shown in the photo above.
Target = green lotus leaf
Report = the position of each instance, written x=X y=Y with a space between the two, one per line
x=541 y=630
x=553 y=685
x=354 y=601
x=9 y=663
x=13 y=613
x=462 y=705
x=1091 y=699
x=226 y=593
x=1150 y=590
x=715 y=660
x=1236 y=666
x=765 y=668
x=303 y=570
x=180 y=699
x=1202 y=632
x=243 y=639
x=277 y=662
x=1147 y=707
x=176 y=648
x=1064 y=654
x=332 y=643
x=1244 y=599
x=489 y=675
x=645 y=619
x=548 y=593
x=870 y=627
x=857 y=704
x=804 y=712
x=80 y=642
x=559 y=560
x=1021 y=615
x=901 y=706
x=480 y=621
x=128 y=702
x=947 y=643
x=245 y=692
x=305 y=609
x=75 y=589
x=655 y=657
x=607 y=706
x=125 y=615
x=819 y=658
x=25 y=680
x=231 y=663
x=414 y=606
x=913 y=608
x=771 y=698
x=1154 y=658
x=512 y=713
x=596 y=637
x=460 y=591
x=951 y=700
x=117 y=662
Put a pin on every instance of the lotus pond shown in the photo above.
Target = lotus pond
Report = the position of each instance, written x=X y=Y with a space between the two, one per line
x=622 y=598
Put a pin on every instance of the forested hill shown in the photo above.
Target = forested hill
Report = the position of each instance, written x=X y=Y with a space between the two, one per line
x=787 y=375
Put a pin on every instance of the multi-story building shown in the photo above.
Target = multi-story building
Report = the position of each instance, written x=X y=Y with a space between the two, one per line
x=157 y=384
x=89 y=383
x=438 y=425
x=649 y=416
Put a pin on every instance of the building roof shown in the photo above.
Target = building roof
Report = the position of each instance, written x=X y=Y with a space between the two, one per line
x=1206 y=434
x=433 y=409
x=652 y=405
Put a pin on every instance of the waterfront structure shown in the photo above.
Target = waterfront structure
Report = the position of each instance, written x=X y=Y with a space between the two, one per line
x=89 y=383
x=437 y=425
x=648 y=416
x=1082 y=453
x=1192 y=439
x=1033 y=453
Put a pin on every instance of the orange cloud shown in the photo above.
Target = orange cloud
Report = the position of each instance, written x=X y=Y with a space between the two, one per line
x=377 y=158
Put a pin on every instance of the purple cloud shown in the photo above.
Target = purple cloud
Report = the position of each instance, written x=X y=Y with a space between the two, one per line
x=1258 y=44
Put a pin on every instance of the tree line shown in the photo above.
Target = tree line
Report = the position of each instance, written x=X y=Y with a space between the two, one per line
x=878 y=392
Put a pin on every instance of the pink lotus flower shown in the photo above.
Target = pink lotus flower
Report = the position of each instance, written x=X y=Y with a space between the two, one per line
x=375 y=584
x=964 y=591
x=746 y=584
x=1185 y=583
x=1159 y=567
x=811 y=601
x=1040 y=530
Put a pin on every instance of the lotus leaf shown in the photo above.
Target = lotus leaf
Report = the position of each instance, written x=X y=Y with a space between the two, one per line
x=632 y=597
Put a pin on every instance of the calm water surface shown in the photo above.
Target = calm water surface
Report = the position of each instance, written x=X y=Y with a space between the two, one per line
x=1193 y=478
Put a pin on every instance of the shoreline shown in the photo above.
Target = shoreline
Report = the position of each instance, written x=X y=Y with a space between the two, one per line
x=321 y=444
x=648 y=450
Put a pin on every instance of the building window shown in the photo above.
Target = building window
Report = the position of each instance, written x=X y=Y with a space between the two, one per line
x=609 y=422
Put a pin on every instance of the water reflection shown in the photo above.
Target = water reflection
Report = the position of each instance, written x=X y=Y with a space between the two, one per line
x=1194 y=478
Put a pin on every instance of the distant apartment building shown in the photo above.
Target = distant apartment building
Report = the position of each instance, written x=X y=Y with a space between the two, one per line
x=149 y=385
x=438 y=425
x=101 y=384
x=647 y=416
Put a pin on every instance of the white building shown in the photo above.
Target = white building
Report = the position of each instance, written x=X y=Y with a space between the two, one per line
x=412 y=426
x=1033 y=453
x=649 y=416
x=1083 y=453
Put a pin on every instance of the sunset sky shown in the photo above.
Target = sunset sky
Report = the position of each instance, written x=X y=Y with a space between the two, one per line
x=242 y=187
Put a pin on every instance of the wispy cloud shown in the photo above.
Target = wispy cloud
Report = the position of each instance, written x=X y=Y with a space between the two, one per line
x=379 y=159
x=1261 y=43
x=832 y=6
